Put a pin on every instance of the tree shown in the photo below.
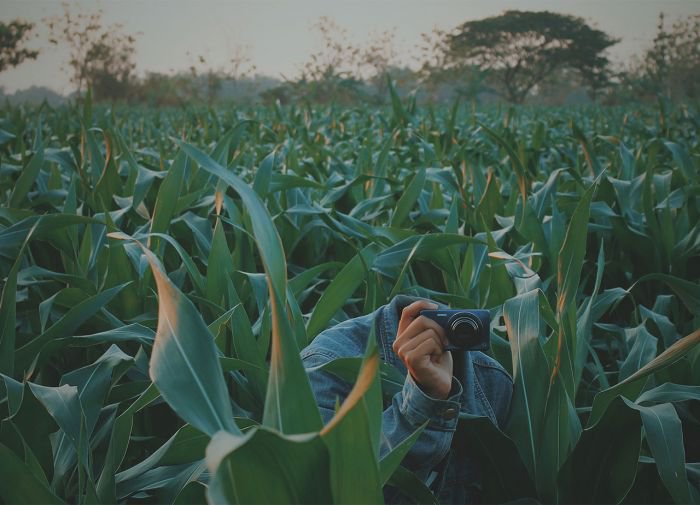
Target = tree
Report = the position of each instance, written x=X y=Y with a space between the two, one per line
x=101 y=57
x=672 y=65
x=520 y=49
x=13 y=36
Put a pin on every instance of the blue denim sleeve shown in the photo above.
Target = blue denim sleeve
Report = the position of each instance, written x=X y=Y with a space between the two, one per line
x=408 y=410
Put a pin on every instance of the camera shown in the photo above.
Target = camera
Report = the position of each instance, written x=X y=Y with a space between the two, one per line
x=466 y=330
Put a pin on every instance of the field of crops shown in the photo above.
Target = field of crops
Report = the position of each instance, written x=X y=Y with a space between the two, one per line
x=161 y=270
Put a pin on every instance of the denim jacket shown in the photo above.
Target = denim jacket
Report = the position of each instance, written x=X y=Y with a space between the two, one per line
x=484 y=389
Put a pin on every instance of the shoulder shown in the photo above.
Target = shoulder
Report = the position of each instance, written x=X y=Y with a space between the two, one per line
x=345 y=339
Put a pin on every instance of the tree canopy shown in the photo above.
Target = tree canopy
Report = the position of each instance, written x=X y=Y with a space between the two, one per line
x=12 y=37
x=521 y=49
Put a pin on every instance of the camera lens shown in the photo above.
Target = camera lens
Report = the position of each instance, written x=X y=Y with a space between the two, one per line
x=464 y=329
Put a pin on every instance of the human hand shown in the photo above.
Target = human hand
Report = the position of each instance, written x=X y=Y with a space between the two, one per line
x=420 y=343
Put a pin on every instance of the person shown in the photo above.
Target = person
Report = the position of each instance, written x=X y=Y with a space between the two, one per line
x=438 y=386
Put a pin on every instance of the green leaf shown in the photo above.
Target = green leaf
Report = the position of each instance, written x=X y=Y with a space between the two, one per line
x=266 y=236
x=665 y=438
x=28 y=175
x=186 y=446
x=504 y=476
x=290 y=406
x=19 y=483
x=530 y=377
x=341 y=288
x=412 y=487
x=263 y=175
x=400 y=115
x=64 y=327
x=184 y=363
x=632 y=385
x=265 y=466
x=352 y=437
x=688 y=292
x=642 y=352
x=683 y=160
x=391 y=461
x=603 y=465
x=571 y=255
x=669 y=392
x=168 y=193
x=63 y=403
x=408 y=198
x=118 y=442
x=12 y=238
x=8 y=311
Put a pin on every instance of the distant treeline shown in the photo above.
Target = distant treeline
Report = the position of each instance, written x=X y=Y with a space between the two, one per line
x=519 y=57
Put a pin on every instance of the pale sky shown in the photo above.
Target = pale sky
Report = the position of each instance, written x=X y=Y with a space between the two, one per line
x=278 y=36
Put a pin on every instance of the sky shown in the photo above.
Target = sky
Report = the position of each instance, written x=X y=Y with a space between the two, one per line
x=278 y=36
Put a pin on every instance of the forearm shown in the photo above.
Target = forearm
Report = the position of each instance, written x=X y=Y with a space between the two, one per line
x=410 y=409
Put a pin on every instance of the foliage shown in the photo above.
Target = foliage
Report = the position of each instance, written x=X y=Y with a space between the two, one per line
x=13 y=36
x=162 y=268
x=671 y=66
x=101 y=57
x=520 y=49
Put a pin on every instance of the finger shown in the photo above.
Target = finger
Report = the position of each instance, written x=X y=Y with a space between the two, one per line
x=411 y=344
x=420 y=324
x=428 y=348
x=411 y=312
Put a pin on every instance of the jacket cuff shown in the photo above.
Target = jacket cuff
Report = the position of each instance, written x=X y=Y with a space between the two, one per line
x=417 y=407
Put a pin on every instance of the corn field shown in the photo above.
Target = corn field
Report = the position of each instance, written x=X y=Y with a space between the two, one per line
x=162 y=269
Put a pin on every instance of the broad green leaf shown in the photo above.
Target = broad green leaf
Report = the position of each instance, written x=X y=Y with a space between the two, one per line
x=168 y=194
x=571 y=255
x=290 y=406
x=530 y=377
x=688 y=292
x=261 y=184
x=391 y=461
x=187 y=445
x=8 y=311
x=19 y=483
x=64 y=327
x=408 y=198
x=683 y=160
x=28 y=175
x=504 y=476
x=63 y=403
x=266 y=236
x=12 y=238
x=265 y=466
x=184 y=363
x=669 y=392
x=632 y=385
x=352 y=437
x=603 y=465
x=118 y=442
x=664 y=435
x=412 y=487
x=642 y=352
x=342 y=287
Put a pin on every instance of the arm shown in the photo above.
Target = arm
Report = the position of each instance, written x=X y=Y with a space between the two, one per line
x=429 y=393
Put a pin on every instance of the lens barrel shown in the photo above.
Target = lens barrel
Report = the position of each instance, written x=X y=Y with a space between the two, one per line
x=464 y=329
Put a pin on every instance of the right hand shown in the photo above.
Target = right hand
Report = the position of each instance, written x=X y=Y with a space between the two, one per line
x=420 y=343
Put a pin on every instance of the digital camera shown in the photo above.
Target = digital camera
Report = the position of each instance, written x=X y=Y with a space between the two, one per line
x=466 y=330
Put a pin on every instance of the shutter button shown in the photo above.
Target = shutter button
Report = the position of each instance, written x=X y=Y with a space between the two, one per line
x=449 y=414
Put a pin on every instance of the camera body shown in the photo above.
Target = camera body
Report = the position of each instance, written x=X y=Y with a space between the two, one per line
x=466 y=330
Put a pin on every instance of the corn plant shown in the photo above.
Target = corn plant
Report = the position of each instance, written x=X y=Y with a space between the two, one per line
x=162 y=269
